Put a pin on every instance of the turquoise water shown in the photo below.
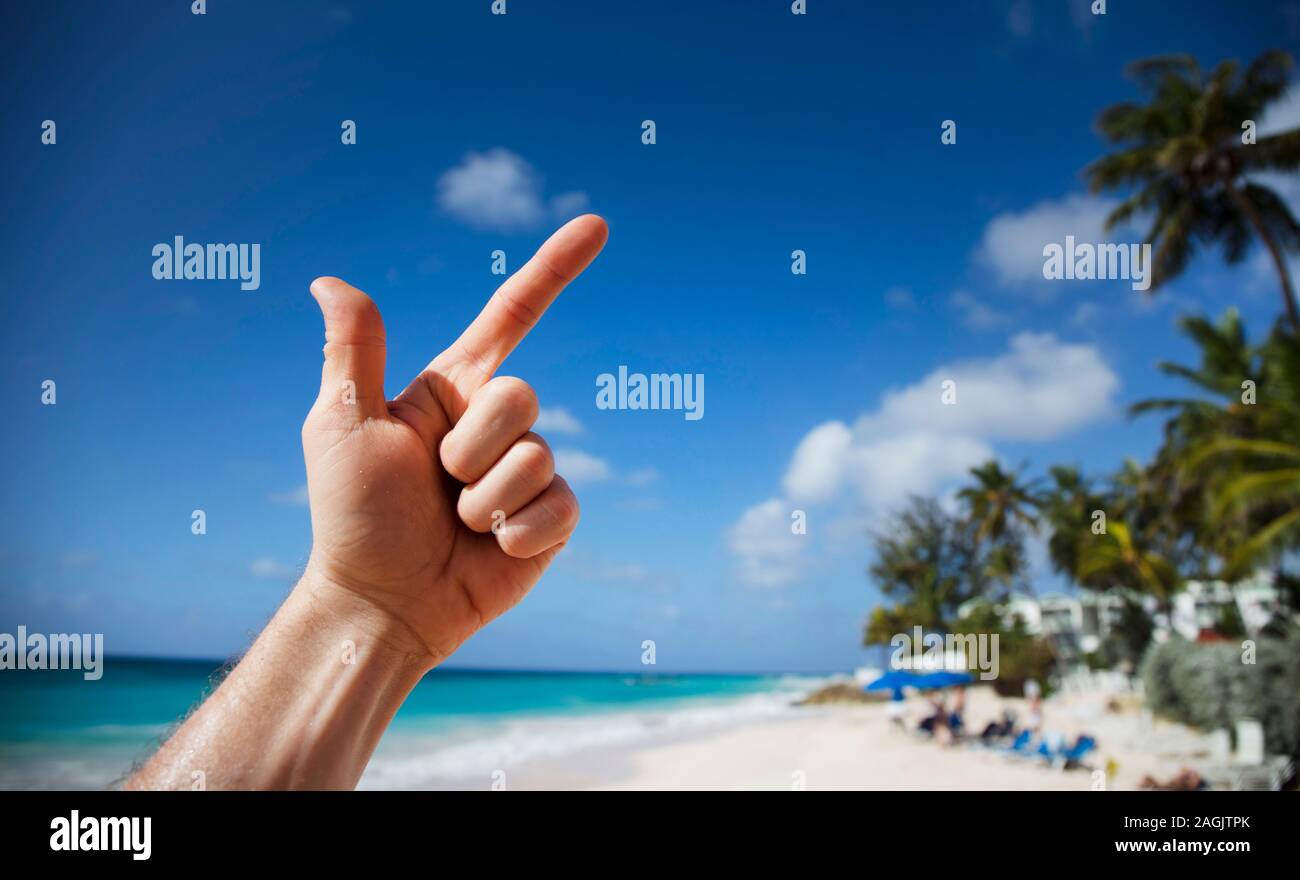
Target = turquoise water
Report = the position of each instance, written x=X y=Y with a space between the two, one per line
x=58 y=730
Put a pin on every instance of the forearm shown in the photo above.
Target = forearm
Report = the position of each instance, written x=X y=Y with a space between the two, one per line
x=304 y=708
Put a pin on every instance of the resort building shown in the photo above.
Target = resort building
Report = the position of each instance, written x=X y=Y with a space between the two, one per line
x=1201 y=604
x=1077 y=624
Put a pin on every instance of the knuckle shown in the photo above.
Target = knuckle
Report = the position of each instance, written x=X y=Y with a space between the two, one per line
x=564 y=508
x=454 y=460
x=513 y=544
x=517 y=397
x=535 y=461
x=472 y=512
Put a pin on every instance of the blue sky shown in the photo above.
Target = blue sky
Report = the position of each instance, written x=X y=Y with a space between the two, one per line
x=774 y=132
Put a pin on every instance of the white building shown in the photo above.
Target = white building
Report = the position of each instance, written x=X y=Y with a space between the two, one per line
x=1201 y=604
x=1078 y=624
x=1074 y=624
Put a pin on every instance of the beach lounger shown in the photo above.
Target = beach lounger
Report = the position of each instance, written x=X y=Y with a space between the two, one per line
x=1021 y=747
x=1074 y=755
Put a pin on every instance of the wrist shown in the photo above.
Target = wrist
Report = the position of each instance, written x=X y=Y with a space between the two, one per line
x=358 y=620
x=310 y=700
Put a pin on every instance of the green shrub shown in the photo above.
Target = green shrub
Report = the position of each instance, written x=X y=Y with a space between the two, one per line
x=1211 y=686
x=1021 y=656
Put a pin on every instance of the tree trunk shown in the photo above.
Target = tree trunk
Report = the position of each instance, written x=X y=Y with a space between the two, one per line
x=1288 y=293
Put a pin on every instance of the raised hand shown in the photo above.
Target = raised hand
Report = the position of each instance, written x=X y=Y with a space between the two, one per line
x=439 y=509
x=406 y=563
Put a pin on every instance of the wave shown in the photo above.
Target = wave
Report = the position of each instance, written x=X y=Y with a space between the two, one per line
x=470 y=756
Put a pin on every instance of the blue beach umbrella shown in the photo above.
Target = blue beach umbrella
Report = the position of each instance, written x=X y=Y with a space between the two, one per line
x=895 y=681
x=943 y=679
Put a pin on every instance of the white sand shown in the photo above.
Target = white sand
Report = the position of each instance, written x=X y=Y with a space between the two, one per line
x=854 y=747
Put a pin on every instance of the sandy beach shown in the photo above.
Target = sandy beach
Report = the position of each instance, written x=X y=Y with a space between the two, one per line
x=855 y=748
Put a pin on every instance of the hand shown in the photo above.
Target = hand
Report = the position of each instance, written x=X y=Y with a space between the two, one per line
x=440 y=509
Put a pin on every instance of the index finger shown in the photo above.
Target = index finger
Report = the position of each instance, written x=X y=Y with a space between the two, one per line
x=520 y=301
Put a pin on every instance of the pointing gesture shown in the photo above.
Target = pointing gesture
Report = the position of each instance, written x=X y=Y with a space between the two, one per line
x=440 y=509
x=431 y=514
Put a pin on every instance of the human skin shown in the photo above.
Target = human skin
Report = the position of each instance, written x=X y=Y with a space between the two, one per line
x=432 y=514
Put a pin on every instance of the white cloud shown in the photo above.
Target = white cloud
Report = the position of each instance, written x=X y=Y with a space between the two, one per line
x=766 y=549
x=885 y=471
x=1013 y=242
x=1283 y=114
x=269 y=568
x=609 y=572
x=557 y=420
x=914 y=443
x=296 y=496
x=499 y=190
x=580 y=467
x=1041 y=388
x=976 y=314
x=641 y=477
x=577 y=466
x=817 y=468
x=566 y=206
x=1085 y=313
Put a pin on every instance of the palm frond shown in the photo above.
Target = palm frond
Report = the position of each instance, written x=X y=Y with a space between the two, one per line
x=1282 y=484
x=1172 y=236
x=1268 y=77
x=1264 y=542
x=1274 y=214
x=1242 y=446
x=1150 y=73
x=1276 y=152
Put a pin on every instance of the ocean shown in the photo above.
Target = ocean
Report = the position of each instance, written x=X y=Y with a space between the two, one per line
x=458 y=729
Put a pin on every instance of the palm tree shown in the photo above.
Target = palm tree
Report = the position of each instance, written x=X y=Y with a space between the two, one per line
x=1262 y=465
x=1274 y=488
x=1228 y=472
x=1068 y=512
x=1227 y=361
x=1117 y=556
x=927 y=562
x=1180 y=490
x=1183 y=151
x=998 y=502
x=1123 y=551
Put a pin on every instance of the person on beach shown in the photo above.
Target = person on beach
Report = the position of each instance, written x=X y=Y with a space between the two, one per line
x=1034 y=715
x=432 y=514
x=937 y=720
x=957 y=717
x=897 y=710
x=1001 y=729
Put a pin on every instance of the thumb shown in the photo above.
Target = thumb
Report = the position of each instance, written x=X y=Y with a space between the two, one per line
x=353 y=375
